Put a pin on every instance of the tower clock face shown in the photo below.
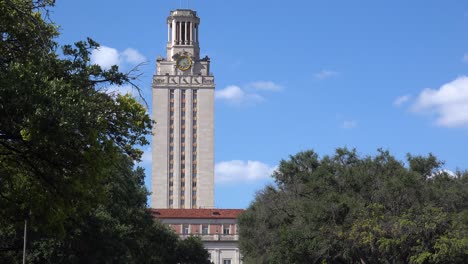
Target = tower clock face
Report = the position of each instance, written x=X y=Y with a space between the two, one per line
x=184 y=63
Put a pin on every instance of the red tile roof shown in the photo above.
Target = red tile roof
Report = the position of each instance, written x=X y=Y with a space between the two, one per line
x=197 y=213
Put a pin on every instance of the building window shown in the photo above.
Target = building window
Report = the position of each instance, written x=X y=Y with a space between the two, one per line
x=204 y=229
x=226 y=261
x=194 y=184
x=185 y=229
x=226 y=229
x=182 y=202
x=194 y=193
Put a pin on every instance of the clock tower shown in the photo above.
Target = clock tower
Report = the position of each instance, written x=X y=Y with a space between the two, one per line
x=183 y=109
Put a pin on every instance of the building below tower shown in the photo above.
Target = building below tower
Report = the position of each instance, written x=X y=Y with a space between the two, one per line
x=217 y=228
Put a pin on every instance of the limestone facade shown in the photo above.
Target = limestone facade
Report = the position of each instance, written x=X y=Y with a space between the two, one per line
x=183 y=109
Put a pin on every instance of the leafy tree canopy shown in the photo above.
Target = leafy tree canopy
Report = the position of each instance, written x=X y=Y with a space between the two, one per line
x=350 y=209
x=59 y=131
x=67 y=154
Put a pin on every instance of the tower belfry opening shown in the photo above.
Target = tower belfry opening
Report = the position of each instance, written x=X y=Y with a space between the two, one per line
x=182 y=32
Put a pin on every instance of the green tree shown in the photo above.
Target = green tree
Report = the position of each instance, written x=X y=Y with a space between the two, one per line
x=350 y=209
x=67 y=153
x=59 y=131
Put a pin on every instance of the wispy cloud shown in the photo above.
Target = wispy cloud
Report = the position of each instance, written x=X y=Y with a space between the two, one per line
x=399 y=101
x=248 y=94
x=266 y=86
x=325 y=74
x=349 y=124
x=132 y=56
x=236 y=95
x=449 y=103
x=465 y=58
x=106 y=57
x=242 y=171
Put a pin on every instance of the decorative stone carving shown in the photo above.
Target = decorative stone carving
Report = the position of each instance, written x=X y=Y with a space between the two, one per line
x=208 y=81
x=174 y=80
x=159 y=80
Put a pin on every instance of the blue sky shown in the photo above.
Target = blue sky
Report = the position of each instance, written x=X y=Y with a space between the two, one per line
x=297 y=75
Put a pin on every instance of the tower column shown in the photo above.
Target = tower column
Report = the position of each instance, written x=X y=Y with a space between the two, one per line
x=191 y=32
x=168 y=32
x=173 y=32
x=180 y=33
x=186 y=31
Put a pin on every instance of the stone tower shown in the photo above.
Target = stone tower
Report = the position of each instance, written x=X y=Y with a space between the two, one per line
x=183 y=108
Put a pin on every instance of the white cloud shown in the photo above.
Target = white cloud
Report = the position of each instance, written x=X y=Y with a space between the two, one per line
x=449 y=103
x=450 y=173
x=465 y=58
x=349 y=124
x=325 y=74
x=266 y=86
x=236 y=95
x=242 y=171
x=107 y=57
x=132 y=56
x=247 y=94
x=231 y=93
x=401 y=100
